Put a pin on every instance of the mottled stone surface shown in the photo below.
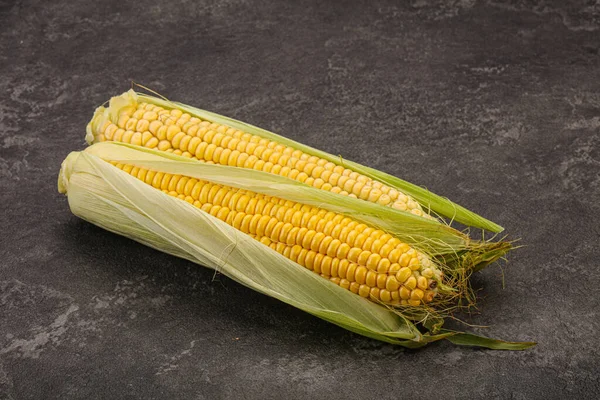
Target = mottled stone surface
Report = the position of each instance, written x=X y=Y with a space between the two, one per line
x=495 y=104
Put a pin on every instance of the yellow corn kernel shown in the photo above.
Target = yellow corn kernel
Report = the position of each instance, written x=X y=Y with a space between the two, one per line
x=371 y=278
x=411 y=283
x=344 y=283
x=417 y=294
x=394 y=268
x=391 y=283
x=374 y=293
x=414 y=264
x=404 y=293
x=404 y=259
x=360 y=275
x=381 y=280
x=383 y=267
x=403 y=274
x=385 y=296
x=364 y=291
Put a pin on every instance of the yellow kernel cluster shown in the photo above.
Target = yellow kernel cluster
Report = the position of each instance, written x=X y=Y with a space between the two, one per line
x=357 y=257
x=180 y=133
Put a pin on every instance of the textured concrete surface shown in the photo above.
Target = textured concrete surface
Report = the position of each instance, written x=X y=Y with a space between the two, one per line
x=495 y=104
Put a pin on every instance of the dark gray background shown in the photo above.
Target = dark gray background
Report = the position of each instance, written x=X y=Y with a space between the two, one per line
x=494 y=104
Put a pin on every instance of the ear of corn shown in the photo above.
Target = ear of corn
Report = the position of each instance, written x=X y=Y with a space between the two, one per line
x=118 y=199
x=180 y=129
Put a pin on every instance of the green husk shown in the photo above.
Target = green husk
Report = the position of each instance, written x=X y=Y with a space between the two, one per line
x=108 y=197
x=437 y=204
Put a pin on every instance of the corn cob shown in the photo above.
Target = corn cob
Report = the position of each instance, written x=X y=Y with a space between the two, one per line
x=205 y=213
x=362 y=259
x=178 y=132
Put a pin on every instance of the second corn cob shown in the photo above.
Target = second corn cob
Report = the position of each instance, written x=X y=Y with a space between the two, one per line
x=141 y=123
